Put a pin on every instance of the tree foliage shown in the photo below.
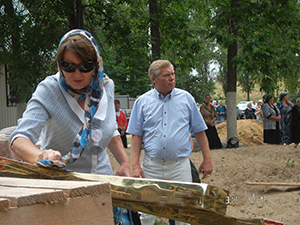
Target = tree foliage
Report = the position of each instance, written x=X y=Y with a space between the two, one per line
x=267 y=37
x=191 y=34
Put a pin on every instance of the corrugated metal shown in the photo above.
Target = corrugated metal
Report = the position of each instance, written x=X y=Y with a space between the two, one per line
x=8 y=115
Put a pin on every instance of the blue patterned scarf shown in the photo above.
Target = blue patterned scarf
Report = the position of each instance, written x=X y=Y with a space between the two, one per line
x=91 y=94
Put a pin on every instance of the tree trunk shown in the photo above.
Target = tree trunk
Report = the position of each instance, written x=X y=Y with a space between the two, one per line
x=16 y=49
x=231 y=81
x=154 y=29
x=75 y=18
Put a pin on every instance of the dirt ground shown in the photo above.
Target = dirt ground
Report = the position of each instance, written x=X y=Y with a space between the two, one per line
x=258 y=163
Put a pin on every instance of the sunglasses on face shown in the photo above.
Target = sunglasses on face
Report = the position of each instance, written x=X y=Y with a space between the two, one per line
x=82 y=67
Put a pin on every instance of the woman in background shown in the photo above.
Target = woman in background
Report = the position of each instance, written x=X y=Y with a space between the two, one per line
x=209 y=114
x=285 y=107
x=296 y=123
x=258 y=110
x=221 y=111
x=249 y=112
x=271 y=118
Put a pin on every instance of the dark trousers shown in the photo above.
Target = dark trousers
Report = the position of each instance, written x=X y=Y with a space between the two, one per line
x=124 y=139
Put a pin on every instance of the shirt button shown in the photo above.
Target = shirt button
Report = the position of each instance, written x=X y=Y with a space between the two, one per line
x=165 y=113
x=165 y=124
x=164 y=148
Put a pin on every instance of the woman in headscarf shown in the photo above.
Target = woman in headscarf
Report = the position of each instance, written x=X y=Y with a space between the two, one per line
x=296 y=123
x=214 y=103
x=271 y=118
x=221 y=111
x=210 y=116
x=249 y=112
x=285 y=107
x=73 y=112
x=258 y=110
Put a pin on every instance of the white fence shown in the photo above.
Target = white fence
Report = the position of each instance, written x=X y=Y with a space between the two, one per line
x=8 y=115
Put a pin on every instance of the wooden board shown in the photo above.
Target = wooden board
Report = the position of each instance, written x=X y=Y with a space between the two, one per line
x=274 y=184
x=30 y=201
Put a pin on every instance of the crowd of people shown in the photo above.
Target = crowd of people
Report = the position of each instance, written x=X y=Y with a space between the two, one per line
x=281 y=121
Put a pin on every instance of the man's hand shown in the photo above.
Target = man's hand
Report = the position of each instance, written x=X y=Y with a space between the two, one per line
x=137 y=171
x=206 y=166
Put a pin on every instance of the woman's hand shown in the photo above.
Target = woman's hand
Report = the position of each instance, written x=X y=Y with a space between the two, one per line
x=278 y=118
x=49 y=154
x=210 y=123
x=124 y=170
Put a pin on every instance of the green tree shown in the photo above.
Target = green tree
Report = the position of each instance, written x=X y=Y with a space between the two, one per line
x=266 y=34
x=247 y=82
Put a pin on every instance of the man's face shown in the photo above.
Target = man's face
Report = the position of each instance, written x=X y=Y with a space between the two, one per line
x=165 y=82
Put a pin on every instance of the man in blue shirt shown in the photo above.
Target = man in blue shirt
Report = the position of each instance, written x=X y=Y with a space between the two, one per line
x=163 y=117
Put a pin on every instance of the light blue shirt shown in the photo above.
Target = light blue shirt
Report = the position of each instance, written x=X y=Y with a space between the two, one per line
x=165 y=122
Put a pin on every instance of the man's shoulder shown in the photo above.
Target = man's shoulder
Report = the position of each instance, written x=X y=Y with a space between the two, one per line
x=148 y=94
x=179 y=93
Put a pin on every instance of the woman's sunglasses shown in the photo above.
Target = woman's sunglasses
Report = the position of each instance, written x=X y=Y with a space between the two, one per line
x=82 y=67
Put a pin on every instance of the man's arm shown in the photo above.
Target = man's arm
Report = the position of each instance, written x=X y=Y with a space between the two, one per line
x=206 y=165
x=117 y=149
x=136 y=147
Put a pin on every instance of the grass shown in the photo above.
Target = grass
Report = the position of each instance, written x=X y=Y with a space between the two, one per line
x=287 y=169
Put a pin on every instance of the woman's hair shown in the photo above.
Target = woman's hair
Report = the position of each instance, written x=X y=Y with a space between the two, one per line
x=282 y=95
x=267 y=98
x=80 y=45
x=155 y=67
x=297 y=100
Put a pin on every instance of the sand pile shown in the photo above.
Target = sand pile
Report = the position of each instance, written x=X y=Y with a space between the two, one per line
x=250 y=132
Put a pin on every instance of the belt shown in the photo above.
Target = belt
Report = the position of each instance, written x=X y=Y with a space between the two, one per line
x=163 y=159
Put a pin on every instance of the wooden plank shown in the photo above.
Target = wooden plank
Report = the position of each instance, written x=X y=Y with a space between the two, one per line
x=273 y=184
x=70 y=188
x=29 y=196
x=4 y=204
x=88 y=209
x=35 y=202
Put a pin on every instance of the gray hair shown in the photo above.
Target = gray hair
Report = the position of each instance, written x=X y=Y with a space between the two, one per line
x=155 y=67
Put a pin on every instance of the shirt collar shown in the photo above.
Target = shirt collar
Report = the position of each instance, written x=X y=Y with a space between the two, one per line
x=102 y=107
x=168 y=96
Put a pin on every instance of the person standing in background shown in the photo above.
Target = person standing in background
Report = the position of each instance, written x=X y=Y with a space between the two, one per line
x=258 y=113
x=210 y=116
x=122 y=122
x=271 y=118
x=296 y=123
x=249 y=112
x=285 y=107
x=221 y=111
x=164 y=116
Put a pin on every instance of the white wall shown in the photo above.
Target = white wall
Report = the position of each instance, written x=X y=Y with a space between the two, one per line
x=8 y=115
